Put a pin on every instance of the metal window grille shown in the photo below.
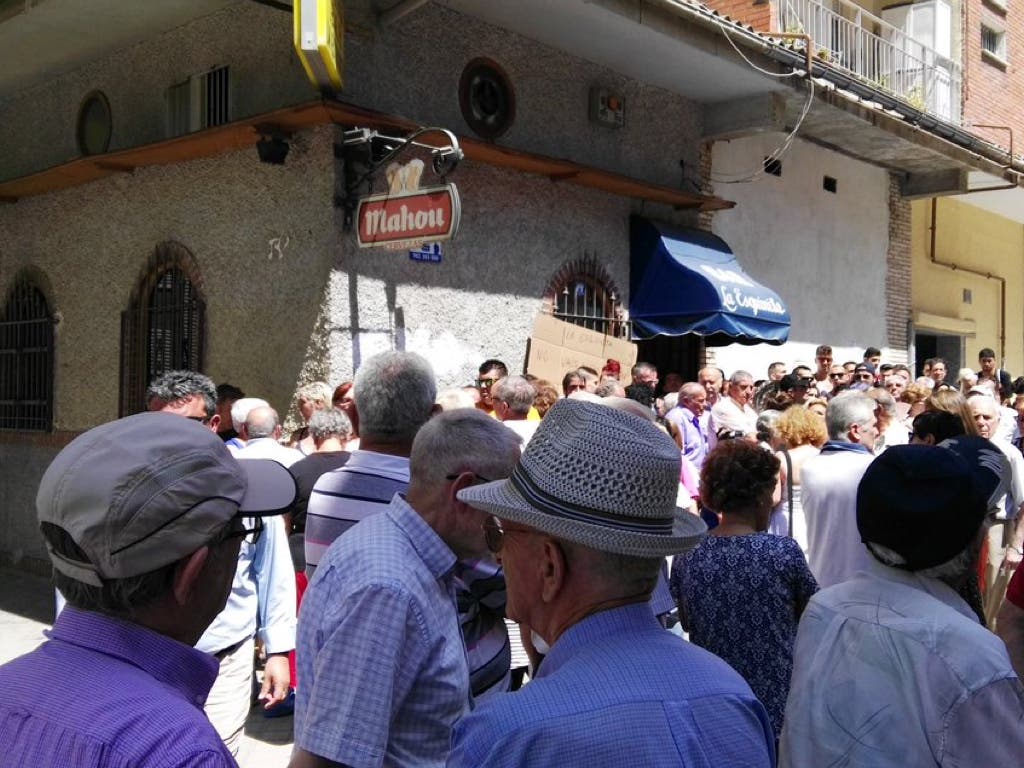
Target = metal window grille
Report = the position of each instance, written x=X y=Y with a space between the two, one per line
x=26 y=360
x=584 y=299
x=201 y=101
x=993 y=41
x=164 y=332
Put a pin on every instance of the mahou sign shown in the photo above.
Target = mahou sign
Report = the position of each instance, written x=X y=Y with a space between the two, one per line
x=408 y=218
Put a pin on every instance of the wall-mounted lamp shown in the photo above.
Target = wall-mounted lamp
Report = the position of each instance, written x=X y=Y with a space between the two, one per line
x=272 y=146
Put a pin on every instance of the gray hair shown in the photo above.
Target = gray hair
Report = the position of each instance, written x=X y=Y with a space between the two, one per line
x=642 y=367
x=885 y=400
x=240 y=409
x=261 y=422
x=329 y=422
x=121 y=598
x=738 y=376
x=395 y=393
x=670 y=401
x=455 y=397
x=172 y=386
x=766 y=423
x=315 y=392
x=463 y=440
x=952 y=568
x=621 y=575
x=516 y=392
x=846 y=409
x=610 y=388
x=691 y=389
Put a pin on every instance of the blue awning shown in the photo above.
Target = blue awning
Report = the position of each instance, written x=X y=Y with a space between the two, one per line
x=688 y=281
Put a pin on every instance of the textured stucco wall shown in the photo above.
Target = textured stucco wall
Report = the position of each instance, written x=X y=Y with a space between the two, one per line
x=823 y=253
x=37 y=125
x=94 y=241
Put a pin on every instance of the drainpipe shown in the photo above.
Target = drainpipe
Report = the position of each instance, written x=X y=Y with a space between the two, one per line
x=1009 y=167
x=987 y=275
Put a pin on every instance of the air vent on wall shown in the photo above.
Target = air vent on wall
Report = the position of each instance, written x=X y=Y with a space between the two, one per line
x=202 y=101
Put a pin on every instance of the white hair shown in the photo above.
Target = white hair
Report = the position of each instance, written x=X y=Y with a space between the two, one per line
x=516 y=392
x=240 y=409
x=846 y=409
x=455 y=397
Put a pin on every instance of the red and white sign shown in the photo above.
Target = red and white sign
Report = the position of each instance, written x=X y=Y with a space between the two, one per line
x=408 y=218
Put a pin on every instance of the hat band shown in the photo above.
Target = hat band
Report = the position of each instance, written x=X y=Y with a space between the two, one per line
x=546 y=502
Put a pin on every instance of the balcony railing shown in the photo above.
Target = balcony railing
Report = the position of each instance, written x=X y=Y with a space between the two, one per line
x=864 y=45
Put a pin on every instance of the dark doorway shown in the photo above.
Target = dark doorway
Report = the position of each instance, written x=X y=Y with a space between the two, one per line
x=672 y=354
x=949 y=348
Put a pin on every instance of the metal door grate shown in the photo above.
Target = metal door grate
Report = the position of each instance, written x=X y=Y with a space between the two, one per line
x=582 y=296
x=26 y=360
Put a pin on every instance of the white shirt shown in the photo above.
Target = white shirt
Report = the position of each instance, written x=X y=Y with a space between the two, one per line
x=727 y=414
x=892 y=669
x=269 y=448
x=523 y=427
x=1015 y=497
x=828 y=492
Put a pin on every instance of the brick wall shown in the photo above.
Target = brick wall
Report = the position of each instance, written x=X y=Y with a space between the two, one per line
x=758 y=15
x=704 y=218
x=897 y=275
x=994 y=94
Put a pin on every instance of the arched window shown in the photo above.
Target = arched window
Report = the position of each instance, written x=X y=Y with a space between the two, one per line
x=164 y=327
x=26 y=359
x=582 y=292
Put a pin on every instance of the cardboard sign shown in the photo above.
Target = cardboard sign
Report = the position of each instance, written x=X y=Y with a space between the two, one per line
x=557 y=347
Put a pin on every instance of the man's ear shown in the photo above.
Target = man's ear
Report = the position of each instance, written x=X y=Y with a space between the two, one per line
x=214 y=422
x=187 y=575
x=554 y=570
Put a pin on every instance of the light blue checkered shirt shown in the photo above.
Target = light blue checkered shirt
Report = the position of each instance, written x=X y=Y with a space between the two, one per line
x=381 y=660
x=618 y=690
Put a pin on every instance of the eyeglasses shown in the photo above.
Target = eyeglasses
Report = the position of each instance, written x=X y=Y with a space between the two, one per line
x=242 y=531
x=865 y=377
x=836 y=375
x=494 y=534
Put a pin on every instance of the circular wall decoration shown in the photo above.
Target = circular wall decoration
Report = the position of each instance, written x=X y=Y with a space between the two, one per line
x=94 y=124
x=486 y=97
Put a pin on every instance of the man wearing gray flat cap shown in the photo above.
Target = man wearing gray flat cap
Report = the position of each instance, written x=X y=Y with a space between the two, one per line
x=142 y=518
x=581 y=528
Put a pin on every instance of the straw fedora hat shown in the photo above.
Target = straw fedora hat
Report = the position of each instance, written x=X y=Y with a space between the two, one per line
x=599 y=477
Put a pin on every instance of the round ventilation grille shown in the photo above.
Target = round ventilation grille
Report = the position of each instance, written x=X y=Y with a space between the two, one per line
x=94 y=124
x=486 y=97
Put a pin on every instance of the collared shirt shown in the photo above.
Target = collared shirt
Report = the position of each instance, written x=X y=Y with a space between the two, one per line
x=828 y=494
x=262 y=599
x=381 y=660
x=616 y=690
x=1014 y=497
x=340 y=499
x=892 y=669
x=269 y=448
x=695 y=441
x=108 y=693
x=728 y=414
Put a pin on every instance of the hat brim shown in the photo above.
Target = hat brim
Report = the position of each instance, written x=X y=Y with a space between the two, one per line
x=270 y=489
x=501 y=499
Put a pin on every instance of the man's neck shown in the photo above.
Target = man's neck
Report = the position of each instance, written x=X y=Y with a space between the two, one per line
x=388 y=447
x=510 y=416
x=330 y=445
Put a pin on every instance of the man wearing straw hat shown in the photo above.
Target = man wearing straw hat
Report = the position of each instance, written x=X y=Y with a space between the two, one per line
x=582 y=527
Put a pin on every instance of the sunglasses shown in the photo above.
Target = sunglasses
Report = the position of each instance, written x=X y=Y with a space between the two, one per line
x=494 y=534
x=865 y=377
x=481 y=383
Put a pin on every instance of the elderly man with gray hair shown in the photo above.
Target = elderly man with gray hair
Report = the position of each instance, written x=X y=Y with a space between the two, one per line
x=513 y=397
x=384 y=671
x=829 y=488
x=734 y=414
x=891 y=668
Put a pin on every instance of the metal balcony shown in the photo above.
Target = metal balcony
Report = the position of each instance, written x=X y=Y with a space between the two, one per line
x=846 y=36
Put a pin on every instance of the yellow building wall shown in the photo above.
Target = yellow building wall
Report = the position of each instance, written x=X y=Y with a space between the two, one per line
x=970 y=238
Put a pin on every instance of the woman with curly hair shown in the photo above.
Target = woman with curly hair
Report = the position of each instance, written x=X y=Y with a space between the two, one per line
x=741 y=591
x=802 y=433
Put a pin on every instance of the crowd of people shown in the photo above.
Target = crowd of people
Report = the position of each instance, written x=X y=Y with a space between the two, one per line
x=500 y=574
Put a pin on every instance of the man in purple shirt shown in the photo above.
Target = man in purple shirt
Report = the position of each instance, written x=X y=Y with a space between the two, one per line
x=687 y=416
x=142 y=520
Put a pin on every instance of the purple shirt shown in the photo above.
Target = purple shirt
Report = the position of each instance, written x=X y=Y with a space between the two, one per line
x=106 y=692
x=695 y=440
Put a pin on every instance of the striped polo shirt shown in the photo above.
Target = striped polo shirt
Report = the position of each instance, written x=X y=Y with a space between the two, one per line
x=343 y=497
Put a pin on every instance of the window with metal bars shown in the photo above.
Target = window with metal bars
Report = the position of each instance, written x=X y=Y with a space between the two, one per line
x=26 y=360
x=581 y=293
x=162 y=330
